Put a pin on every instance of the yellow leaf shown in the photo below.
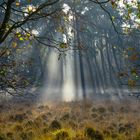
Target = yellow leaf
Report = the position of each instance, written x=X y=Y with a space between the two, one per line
x=17 y=3
x=113 y=18
x=63 y=45
x=7 y=52
x=19 y=35
x=130 y=49
x=14 y=45
x=21 y=39
x=131 y=83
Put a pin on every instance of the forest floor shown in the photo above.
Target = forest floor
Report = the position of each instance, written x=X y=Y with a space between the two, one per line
x=81 y=120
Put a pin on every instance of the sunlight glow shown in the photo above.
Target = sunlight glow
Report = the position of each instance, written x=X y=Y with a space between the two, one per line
x=85 y=10
x=123 y=6
x=66 y=8
x=35 y=32
x=68 y=88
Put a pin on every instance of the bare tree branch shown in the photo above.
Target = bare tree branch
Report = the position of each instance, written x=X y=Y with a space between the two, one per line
x=4 y=33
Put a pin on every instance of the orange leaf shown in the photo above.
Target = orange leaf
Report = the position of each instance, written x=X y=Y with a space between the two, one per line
x=134 y=57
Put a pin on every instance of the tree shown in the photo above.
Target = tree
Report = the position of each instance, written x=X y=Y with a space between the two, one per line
x=31 y=13
x=125 y=21
x=16 y=18
x=28 y=24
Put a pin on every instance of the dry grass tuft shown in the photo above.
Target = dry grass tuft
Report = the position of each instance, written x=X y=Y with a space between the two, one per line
x=71 y=121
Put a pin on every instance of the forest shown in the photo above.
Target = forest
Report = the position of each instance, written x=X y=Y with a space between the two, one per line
x=69 y=70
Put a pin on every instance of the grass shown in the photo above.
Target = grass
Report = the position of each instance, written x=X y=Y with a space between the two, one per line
x=71 y=121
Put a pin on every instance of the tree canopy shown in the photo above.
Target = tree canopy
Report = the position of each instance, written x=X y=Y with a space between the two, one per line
x=32 y=26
